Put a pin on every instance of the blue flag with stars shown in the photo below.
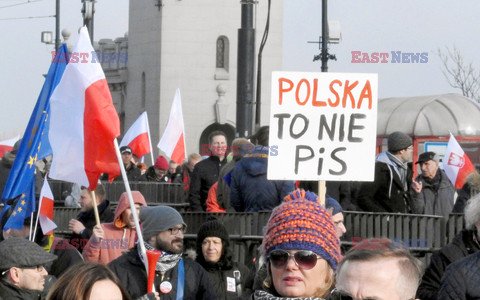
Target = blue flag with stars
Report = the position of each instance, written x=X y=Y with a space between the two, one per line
x=34 y=146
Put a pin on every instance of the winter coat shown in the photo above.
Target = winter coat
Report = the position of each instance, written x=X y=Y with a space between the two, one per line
x=11 y=292
x=434 y=200
x=212 y=203
x=223 y=189
x=67 y=256
x=460 y=281
x=205 y=174
x=251 y=191
x=386 y=193
x=224 y=282
x=117 y=238
x=88 y=220
x=133 y=174
x=131 y=272
x=462 y=245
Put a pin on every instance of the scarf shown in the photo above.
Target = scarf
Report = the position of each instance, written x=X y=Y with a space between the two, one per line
x=401 y=169
x=262 y=295
x=165 y=261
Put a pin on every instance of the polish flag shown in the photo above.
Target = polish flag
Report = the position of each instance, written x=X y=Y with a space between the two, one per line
x=7 y=145
x=456 y=163
x=83 y=120
x=173 y=139
x=138 y=137
x=45 y=214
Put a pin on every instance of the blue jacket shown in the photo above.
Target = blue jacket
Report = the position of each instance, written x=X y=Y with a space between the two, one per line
x=250 y=189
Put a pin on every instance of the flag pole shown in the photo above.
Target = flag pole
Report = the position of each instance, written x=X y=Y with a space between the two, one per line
x=95 y=208
x=31 y=225
x=149 y=138
x=132 y=206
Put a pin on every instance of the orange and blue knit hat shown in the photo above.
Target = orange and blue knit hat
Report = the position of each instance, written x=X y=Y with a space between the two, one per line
x=302 y=223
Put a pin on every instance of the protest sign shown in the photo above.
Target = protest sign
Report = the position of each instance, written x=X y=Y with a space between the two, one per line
x=323 y=126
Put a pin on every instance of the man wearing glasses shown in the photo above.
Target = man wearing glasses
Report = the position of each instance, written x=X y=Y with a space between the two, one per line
x=389 y=192
x=162 y=229
x=22 y=269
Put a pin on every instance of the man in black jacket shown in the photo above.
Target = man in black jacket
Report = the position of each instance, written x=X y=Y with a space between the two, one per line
x=389 y=190
x=229 y=279
x=464 y=244
x=83 y=225
x=162 y=229
x=205 y=173
x=22 y=269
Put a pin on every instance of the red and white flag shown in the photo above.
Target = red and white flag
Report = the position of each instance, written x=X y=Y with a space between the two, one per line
x=83 y=120
x=7 y=145
x=456 y=163
x=137 y=137
x=173 y=139
x=45 y=214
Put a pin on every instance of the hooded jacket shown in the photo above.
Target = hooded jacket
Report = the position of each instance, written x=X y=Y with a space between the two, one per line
x=250 y=189
x=229 y=280
x=117 y=236
x=386 y=193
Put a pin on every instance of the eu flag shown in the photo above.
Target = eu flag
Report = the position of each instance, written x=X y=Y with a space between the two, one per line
x=34 y=146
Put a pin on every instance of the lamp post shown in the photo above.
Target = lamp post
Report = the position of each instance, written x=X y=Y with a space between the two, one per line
x=88 y=10
x=46 y=37
x=245 y=70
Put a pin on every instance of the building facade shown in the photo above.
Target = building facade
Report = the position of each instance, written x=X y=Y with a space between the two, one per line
x=190 y=45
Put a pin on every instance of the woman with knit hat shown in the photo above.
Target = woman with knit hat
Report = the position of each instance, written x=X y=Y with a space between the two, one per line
x=301 y=248
x=230 y=280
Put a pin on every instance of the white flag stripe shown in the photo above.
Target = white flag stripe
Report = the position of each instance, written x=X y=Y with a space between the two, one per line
x=138 y=127
x=452 y=170
x=46 y=224
x=69 y=96
x=175 y=126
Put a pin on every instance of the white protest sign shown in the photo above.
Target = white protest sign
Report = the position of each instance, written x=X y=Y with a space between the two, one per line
x=323 y=126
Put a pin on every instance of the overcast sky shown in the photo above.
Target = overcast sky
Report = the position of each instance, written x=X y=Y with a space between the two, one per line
x=367 y=26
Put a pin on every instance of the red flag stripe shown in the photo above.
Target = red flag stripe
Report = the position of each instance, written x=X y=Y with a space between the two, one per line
x=140 y=145
x=101 y=127
x=178 y=154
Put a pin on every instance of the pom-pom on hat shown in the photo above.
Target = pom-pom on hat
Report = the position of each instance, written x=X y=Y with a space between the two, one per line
x=302 y=223
x=161 y=163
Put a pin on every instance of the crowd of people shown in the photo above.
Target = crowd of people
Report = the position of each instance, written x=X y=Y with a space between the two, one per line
x=299 y=258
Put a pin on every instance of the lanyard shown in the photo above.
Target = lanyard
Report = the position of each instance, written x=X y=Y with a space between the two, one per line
x=180 y=280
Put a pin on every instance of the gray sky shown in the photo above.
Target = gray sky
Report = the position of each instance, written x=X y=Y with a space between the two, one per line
x=367 y=26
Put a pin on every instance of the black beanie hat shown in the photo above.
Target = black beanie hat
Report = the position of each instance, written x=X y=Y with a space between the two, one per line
x=398 y=141
x=212 y=228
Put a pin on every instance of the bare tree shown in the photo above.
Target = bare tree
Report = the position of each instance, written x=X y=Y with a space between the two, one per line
x=459 y=74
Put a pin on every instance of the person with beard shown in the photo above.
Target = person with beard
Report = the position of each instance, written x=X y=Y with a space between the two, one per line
x=162 y=229
x=82 y=226
x=109 y=240
x=229 y=279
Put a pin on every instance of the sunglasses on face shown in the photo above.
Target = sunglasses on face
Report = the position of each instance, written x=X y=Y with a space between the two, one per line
x=304 y=259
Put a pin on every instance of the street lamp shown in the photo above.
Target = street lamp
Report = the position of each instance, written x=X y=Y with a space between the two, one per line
x=47 y=37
